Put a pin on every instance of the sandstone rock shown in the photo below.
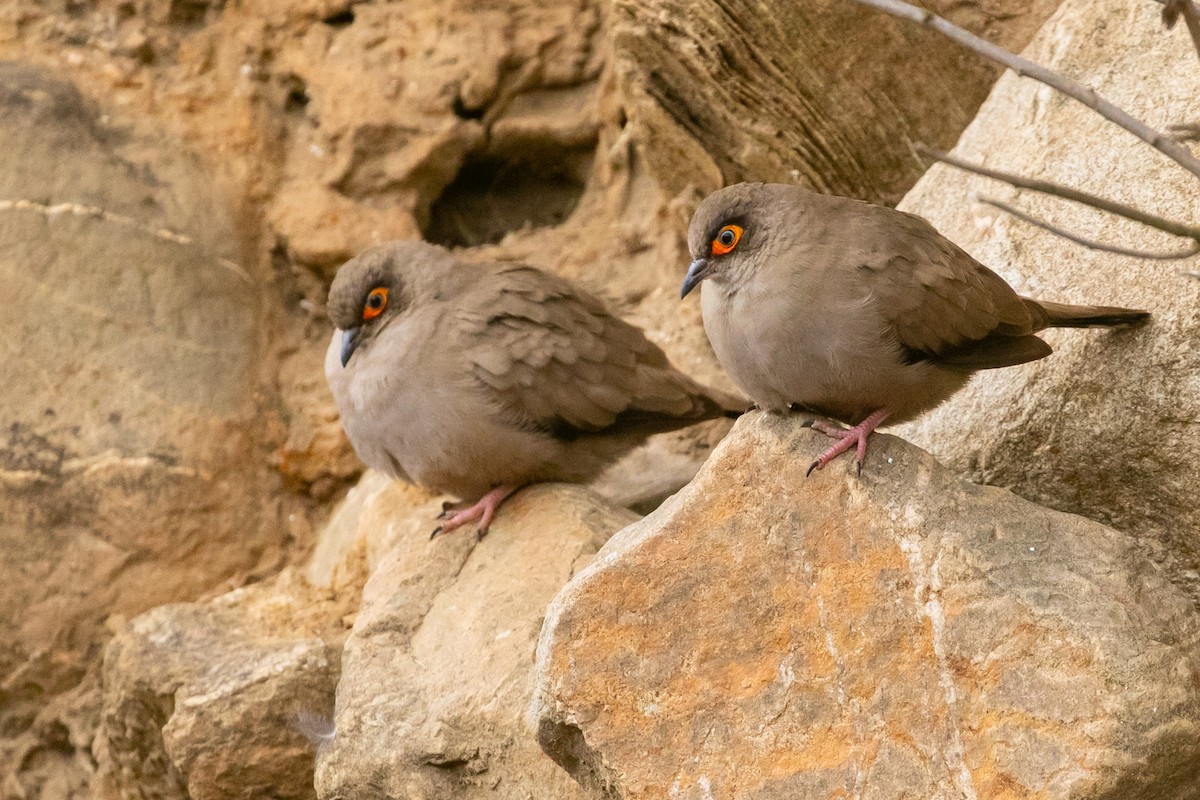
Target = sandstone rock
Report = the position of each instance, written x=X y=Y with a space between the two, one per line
x=214 y=701
x=642 y=480
x=436 y=676
x=418 y=140
x=821 y=93
x=130 y=468
x=375 y=516
x=316 y=457
x=900 y=635
x=335 y=125
x=231 y=698
x=323 y=227
x=1105 y=427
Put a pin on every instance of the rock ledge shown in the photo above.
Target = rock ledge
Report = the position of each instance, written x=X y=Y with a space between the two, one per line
x=900 y=635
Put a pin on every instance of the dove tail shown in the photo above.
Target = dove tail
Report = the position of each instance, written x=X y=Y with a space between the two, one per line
x=1061 y=315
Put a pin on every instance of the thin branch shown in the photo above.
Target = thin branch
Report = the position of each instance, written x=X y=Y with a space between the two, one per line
x=1092 y=244
x=1028 y=69
x=1174 y=9
x=1067 y=193
x=1189 y=132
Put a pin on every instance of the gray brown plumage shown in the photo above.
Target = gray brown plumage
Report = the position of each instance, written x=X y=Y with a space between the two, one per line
x=856 y=311
x=471 y=377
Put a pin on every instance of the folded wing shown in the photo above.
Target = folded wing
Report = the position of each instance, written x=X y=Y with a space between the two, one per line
x=556 y=359
x=944 y=306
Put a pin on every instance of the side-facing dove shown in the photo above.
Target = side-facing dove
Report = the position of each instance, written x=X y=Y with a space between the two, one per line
x=478 y=378
x=855 y=311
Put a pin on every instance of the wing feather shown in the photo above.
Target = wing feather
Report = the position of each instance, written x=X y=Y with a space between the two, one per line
x=942 y=305
x=556 y=359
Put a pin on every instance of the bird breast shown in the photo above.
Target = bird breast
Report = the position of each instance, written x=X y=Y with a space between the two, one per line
x=398 y=401
x=412 y=410
x=825 y=353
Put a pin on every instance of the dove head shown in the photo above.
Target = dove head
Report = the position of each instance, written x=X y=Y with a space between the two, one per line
x=373 y=288
x=736 y=229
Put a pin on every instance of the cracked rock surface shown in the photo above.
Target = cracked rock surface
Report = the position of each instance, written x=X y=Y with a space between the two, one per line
x=437 y=671
x=220 y=699
x=171 y=149
x=1106 y=426
x=130 y=468
x=900 y=635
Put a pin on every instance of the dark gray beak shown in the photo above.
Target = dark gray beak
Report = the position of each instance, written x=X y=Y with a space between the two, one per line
x=349 y=343
x=697 y=272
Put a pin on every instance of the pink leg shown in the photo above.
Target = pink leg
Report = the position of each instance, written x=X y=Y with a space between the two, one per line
x=481 y=513
x=855 y=437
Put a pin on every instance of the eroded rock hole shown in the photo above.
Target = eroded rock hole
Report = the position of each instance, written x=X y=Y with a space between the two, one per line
x=340 y=19
x=493 y=194
x=462 y=111
x=566 y=745
x=296 y=94
x=188 y=13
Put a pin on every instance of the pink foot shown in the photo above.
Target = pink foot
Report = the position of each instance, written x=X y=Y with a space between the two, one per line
x=855 y=437
x=481 y=513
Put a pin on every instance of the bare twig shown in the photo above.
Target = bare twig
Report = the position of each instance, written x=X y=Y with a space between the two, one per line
x=1189 y=132
x=1092 y=244
x=1067 y=193
x=1174 y=9
x=1028 y=69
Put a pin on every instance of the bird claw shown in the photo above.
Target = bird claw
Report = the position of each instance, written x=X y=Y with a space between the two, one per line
x=436 y=530
x=480 y=513
x=848 y=439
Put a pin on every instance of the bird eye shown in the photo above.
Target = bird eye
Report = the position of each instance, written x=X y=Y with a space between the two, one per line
x=376 y=301
x=727 y=239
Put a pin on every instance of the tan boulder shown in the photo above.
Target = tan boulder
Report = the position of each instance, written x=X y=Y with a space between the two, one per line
x=219 y=700
x=904 y=634
x=1106 y=426
x=231 y=698
x=436 y=675
x=336 y=125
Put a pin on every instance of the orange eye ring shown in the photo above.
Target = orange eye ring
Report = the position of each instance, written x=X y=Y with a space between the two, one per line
x=375 y=304
x=726 y=239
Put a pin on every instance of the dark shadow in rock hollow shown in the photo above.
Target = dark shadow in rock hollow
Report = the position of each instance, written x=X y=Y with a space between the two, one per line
x=536 y=186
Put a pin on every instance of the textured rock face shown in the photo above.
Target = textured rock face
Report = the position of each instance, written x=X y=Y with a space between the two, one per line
x=719 y=92
x=1105 y=427
x=436 y=675
x=902 y=635
x=573 y=134
x=413 y=139
x=233 y=697
x=216 y=700
x=129 y=469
